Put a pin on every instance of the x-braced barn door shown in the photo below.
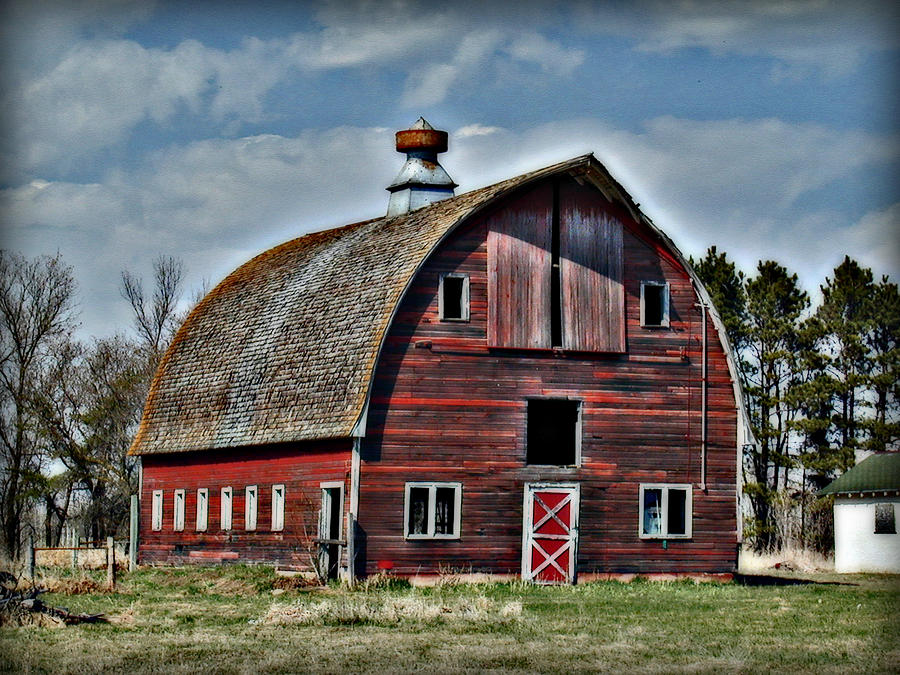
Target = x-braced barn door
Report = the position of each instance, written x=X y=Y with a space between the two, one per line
x=550 y=537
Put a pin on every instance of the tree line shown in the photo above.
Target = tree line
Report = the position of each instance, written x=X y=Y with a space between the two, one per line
x=821 y=383
x=69 y=408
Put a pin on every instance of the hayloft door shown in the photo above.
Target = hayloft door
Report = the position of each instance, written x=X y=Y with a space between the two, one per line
x=330 y=518
x=550 y=538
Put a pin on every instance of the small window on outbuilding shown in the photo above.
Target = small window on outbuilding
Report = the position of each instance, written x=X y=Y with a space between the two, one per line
x=453 y=297
x=553 y=435
x=654 y=304
x=885 y=522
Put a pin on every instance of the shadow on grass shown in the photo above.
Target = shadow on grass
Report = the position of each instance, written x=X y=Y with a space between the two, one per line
x=772 y=580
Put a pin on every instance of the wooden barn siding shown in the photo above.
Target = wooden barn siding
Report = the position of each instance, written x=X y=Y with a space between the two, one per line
x=456 y=411
x=300 y=468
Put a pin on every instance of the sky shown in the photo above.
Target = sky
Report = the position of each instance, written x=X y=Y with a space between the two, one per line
x=211 y=131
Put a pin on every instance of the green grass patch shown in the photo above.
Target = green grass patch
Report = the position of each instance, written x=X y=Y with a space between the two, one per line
x=238 y=619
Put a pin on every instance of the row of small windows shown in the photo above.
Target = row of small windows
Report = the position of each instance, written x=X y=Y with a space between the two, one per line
x=433 y=511
x=226 y=497
x=453 y=300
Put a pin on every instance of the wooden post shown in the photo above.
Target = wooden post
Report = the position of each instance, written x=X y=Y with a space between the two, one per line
x=31 y=556
x=75 y=543
x=110 y=563
x=133 y=534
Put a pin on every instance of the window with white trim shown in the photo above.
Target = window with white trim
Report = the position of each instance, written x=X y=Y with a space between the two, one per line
x=225 y=495
x=202 y=509
x=432 y=510
x=453 y=297
x=665 y=511
x=178 y=516
x=654 y=304
x=156 y=510
x=278 y=507
x=250 y=499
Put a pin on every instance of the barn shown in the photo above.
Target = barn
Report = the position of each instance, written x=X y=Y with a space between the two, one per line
x=866 y=502
x=523 y=380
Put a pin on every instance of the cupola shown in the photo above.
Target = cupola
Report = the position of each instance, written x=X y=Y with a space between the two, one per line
x=422 y=180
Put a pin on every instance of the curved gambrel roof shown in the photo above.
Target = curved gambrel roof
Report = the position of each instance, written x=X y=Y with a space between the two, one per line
x=284 y=349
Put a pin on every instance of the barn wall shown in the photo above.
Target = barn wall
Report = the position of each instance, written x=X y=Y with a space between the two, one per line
x=446 y=407
x=299 y=467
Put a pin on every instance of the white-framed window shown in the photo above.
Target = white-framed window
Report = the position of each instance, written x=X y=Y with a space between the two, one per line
x=251 y=496
x=654 y=304
x=277 y=507
x=202 y=509
x=225 y=495
x=432 y=510
x=156 y=510
x=665 y=511
x=178 y=515
x=453 y=297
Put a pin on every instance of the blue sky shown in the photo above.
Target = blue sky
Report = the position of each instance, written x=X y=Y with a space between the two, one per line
x=212 y=131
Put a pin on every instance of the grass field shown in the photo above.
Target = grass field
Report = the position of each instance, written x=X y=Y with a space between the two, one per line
x=237 y=619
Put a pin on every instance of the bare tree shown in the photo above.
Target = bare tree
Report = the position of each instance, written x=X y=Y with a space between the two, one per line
x=156 y=319
x=37 y=313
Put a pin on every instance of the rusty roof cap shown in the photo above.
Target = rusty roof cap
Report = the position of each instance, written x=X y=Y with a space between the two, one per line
x=421 y=136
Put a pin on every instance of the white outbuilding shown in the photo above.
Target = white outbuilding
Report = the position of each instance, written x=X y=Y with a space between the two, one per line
x=866 y=506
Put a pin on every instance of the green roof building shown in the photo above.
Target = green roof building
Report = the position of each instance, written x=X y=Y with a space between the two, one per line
x=866 y=505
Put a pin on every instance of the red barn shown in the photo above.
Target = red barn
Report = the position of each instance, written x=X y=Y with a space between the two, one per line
x=526 y=379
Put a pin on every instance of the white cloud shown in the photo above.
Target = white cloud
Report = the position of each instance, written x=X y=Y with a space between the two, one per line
x=475 y=130
x=550 y=56
x=429 y=84
x=827 y=36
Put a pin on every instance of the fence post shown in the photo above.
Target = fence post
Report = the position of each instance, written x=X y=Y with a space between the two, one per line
x=133 y=534
x=75 y=544
x=31 y=556
x=110 y=563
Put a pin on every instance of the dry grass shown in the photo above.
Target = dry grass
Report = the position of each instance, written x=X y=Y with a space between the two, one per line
x=788 y=560
x=381 y=611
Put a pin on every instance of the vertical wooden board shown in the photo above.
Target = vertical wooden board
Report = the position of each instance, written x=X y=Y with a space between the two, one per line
x=591 y=272
x=519 y=260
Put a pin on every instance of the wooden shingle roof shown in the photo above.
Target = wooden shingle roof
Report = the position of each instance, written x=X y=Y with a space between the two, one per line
x=284 y=349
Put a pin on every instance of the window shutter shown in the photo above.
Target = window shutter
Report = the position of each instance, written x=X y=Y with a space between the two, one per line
x=591 y=272
x=519 y=260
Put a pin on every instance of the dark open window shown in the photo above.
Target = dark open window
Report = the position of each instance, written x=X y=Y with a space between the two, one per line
x=553 y=433
x=453 y=297
x=654 y=304
x=885 y=522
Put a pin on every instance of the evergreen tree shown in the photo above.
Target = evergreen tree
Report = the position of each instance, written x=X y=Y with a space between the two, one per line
x=775 y=303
